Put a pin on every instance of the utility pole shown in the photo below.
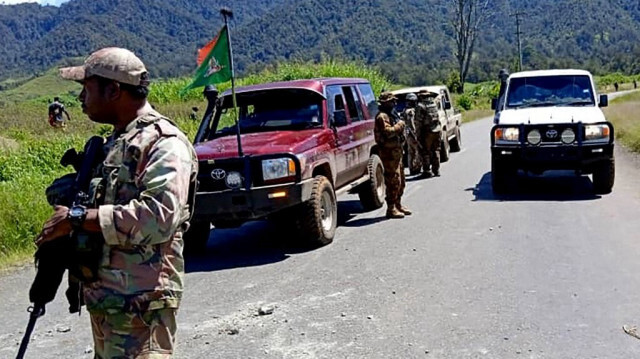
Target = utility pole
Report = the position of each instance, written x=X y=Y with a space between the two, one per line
x=517 y=14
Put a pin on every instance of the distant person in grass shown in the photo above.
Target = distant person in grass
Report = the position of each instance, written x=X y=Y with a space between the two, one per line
x=56 y=110
x=143 y=208
x=194 y=114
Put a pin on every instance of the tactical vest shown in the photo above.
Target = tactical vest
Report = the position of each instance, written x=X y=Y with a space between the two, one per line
x=119 y=173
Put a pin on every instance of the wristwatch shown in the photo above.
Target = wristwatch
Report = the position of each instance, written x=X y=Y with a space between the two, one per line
x=77 y=214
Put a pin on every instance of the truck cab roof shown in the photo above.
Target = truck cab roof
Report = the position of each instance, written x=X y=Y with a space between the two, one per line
x=316 y=85
x=539 y=73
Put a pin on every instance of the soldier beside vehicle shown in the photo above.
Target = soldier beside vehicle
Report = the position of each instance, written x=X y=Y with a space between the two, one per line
x=141 y=209
x=390 y=137
x=429 y=133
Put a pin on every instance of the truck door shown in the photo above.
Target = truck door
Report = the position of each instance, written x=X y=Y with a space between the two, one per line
x=449 y=112
x=363 y=123
x=339 y=122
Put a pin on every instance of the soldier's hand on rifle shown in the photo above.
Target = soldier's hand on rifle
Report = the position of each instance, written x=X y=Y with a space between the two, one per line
x=400 y=126
x=56 y=226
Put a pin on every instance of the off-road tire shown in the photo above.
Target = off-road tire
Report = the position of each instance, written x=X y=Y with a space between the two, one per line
x=604 y=176
x=444 y=147
x=501 y=175
x=196 y=237
x=456 y=143
x=372 y=192
x=318 y=217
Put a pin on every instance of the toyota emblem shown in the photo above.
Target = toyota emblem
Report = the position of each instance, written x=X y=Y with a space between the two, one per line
x=552 y=134
x=218 y=174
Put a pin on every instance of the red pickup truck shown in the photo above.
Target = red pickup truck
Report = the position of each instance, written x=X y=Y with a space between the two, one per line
x=299 y=144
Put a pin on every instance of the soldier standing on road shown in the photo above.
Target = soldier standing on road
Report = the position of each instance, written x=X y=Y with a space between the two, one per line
x=413 y=146
x=429 y=133
x=149 y=169
x=389 y=135
x=56 y=110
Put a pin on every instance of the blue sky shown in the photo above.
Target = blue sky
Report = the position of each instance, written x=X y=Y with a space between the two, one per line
x=43 y=2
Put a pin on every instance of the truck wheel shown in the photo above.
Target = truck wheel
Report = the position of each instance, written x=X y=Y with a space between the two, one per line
x=500 y=176
x=604 y=176
x=196 y=237
x=444 y=147
x=456 y=144
x=319 y=216
x=371 y=193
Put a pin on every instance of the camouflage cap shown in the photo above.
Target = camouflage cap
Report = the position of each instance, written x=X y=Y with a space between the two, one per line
x=113 y=63
x=386 y=97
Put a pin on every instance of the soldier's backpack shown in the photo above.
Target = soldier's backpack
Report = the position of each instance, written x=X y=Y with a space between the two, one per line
x=427 y=114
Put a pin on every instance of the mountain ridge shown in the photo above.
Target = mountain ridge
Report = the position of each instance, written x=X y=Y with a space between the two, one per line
x=409 y=40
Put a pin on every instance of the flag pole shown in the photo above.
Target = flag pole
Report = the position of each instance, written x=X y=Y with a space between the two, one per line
x=227 y=14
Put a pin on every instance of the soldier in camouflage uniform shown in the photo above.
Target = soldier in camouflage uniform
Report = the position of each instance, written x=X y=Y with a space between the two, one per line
x=149 y=168
x=389 y=136
x=429 y=133
x=413 y=145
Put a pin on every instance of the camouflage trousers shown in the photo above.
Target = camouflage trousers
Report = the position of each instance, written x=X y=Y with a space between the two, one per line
x=393 y=175
x=145 y=335
x=431 y=151
x=413 y=155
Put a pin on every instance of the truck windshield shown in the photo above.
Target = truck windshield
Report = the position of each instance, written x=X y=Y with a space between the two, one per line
x=567 y=90
x=272 y=110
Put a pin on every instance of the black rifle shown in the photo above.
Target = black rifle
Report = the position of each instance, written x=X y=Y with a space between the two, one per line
x=54 y=257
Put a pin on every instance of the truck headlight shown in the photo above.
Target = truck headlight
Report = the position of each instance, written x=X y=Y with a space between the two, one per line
x=568 y=136
x=278 y=168
x=597 y=133
x=507 y=134
x=534 y=137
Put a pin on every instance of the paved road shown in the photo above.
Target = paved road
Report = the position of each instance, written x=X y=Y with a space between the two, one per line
x=551 y=271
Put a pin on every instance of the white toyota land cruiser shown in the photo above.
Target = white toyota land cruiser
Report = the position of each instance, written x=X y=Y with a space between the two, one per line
x=551 y=120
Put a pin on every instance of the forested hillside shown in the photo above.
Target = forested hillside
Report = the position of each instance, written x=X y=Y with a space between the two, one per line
x=166 y=34
x=409 y=40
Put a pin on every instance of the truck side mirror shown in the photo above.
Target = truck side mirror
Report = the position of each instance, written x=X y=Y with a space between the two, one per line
x=447 y=105
x=604 y=101
x=494 y=103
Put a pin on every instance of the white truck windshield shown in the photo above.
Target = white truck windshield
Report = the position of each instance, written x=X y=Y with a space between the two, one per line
x=542 y=91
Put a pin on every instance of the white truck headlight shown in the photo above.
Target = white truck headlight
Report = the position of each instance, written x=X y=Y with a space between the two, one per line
x=277 y=168
x=507 y=134
x=597 y=133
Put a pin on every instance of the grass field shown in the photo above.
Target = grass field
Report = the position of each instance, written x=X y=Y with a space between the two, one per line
x=623 y=113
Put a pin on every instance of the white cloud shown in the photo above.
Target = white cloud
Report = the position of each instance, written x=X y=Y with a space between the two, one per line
x=43 y=2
